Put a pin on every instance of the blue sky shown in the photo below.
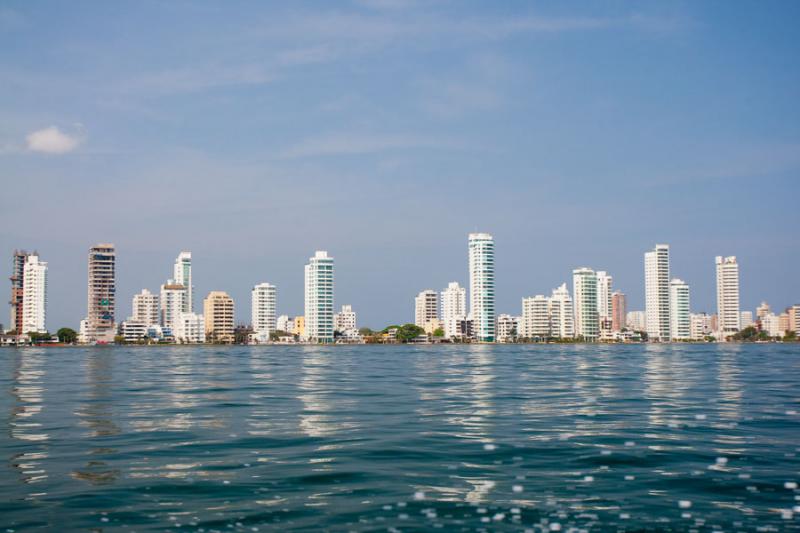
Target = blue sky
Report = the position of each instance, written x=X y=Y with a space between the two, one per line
x=251 y=133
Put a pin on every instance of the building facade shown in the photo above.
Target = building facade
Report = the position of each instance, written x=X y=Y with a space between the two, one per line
x=604 y=295
x=562 y=313
x=146 y=307
x=680 y=320
x=218 y=310
x=482 y=286
x=454 y=308
x=172 y=302
x=656 y=283
x=190 y=328
x=728 y=311
x=34 y=299
x=319 y=286
x=507 y=328
x=345 y=320
x=701 y=326
x=182 y=274
x=102 y=294
x=584 y=290
x=618 y=311
x=535 y=320
x=426 y=307
x=263 y=308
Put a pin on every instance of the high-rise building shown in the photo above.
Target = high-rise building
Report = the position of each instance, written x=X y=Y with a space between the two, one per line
x=618 y=311
x=636 y=320
x=319 y=298
x=173 y=302
x=426 y=307
x=680 y=321
x=584 y=289
x=481 y=286
x=299 y=327
x=182 y=273
x=218 y=312
x=454 y=308
x=656 y=283
x=562 y=313
x=263 y=309
x=17 y=290
x=728 y=296
x=535 y=322
x=604 y=294
x=34 y=300
x=345 y=320
x=746 y=319
x=102 y=294
x=146 y=308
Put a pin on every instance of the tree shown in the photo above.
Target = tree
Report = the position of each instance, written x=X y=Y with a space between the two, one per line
x=366 y=332
x=277 y=334
x=438 y=332
x=791 y=336
x=748 y=334
x=67 y=335
x=409 y=332
x=35 y=336
x=119 y=339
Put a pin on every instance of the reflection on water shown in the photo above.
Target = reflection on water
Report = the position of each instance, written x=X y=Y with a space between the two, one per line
x=95 y=412
x=416 y=438
x=457 y=386
x=26 y=410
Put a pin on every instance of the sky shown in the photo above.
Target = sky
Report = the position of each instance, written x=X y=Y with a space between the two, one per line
x=384 y=131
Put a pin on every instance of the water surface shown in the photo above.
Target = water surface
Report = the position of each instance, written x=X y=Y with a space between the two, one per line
x=377 y=438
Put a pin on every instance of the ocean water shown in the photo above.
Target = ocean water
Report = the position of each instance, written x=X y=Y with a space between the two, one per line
x=401 y=438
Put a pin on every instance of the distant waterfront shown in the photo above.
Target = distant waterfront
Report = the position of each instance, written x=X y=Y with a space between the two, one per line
x=503 y=437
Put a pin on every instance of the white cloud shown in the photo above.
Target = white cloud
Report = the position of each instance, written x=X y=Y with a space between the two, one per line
x=52 y=141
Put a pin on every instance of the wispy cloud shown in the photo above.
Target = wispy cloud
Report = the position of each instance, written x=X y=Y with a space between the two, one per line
x=52 y=140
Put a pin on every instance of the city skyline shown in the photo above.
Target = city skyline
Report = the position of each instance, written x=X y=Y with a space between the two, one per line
x=591 y=305
x=385 y=131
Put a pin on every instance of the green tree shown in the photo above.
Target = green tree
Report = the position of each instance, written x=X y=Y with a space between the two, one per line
x=67 y=335
x=791 y=336
x=438 y=332
x=409 y=332
x=38 y=337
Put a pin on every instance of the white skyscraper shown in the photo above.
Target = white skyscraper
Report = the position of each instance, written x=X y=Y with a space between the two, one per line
x=182 y=273
x=454 y=308
x=319 y=298
x=426 y=307
x=535 y=321
x=146 y=308
x=728 y=296
x=507 y=328
x=656 y=288
x=345 y=319
x=34 y=298
x=584 y=283
x=173 y=302
x=263 y=308
x=680 y=314
x=562 y=324
x=604 y=290
x=481 y=286
x=700 y=326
